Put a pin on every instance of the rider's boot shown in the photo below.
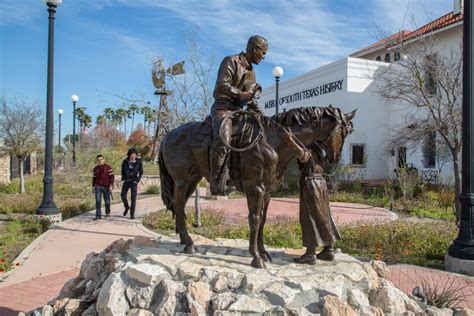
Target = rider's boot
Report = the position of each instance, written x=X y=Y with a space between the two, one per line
x=309 y=257
x=217 y=174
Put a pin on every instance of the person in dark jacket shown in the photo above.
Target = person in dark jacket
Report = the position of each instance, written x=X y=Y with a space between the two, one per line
x=132 y=172
x=102 y=182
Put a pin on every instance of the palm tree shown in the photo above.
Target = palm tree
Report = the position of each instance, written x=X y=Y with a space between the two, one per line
x=145 y=110
x=109 y=114
x=122 y=114
x=100 y=119
x=133 y=108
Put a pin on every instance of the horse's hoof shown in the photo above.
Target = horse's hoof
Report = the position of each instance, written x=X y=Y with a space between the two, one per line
x=266 y=257
x=258 y=263
x=189 y=249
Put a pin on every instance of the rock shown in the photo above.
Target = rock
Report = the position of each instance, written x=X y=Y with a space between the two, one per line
x=280 y=294
x=21 y=314
x=381 y=268
x=146 y=273
x=144 y=242
x=333 y=306
x=90 y=311
x=188 y=270
x=171 y=298
x=388 y=298
x=305 y=302
x=139 y=312
x=222 y=301
x=464 y=312
x=47 y=311
x=356 y=298
x=256 y=280
x=249 y=304
x=111 y=300
x=59 y=304
x=73 y=307
x=139 y=296
x=201 y=293
x=432 y=311
x=92 y=266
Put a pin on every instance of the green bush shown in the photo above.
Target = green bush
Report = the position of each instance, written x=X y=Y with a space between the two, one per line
x=399 y=241
x=73 y=208
x=432 y=213
x=153 y=189
x=9 y=188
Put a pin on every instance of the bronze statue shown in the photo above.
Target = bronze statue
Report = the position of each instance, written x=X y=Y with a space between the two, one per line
x=317 y=224
x=184 y=160
x=236 y=87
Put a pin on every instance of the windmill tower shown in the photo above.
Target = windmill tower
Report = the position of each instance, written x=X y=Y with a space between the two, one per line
x=158 y=76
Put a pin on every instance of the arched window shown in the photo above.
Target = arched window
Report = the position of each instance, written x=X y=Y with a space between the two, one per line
x=378 y=58
x=396 y=56
x=387 y=57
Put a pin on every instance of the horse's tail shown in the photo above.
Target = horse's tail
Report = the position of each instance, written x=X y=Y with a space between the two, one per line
x=167 y=183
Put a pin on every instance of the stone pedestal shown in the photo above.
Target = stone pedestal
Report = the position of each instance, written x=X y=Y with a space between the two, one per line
x=54 y=218
x=458 y=265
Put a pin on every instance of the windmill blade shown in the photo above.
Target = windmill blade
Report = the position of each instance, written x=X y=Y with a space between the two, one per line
x=158 y=74
x=176 y=69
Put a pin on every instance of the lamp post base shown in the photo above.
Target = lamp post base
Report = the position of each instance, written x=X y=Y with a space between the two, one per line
x=47 y=210
x=53 y=218
x=457 y=265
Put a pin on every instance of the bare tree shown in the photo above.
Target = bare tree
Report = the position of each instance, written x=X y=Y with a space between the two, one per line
x=426 y=82
x=20 y=126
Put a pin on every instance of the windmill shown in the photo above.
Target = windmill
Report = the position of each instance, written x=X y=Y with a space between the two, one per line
x=158 y=77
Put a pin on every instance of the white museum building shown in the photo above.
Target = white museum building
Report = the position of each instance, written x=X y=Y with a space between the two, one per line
x=349 y=84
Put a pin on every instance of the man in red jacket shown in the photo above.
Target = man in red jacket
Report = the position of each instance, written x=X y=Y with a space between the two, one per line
x=103 y=182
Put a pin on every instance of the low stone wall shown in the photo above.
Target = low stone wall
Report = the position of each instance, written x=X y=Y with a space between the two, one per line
x=147 y=277
x=143 y=185
x=4 y=168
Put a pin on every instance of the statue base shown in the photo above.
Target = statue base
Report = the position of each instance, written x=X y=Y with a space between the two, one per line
x=457 y=265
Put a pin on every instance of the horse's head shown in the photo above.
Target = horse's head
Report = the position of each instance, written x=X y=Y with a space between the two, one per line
x=333 y=144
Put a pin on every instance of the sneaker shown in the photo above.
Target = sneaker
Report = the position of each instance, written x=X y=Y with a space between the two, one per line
x=97 y=218
x=107 y=215
x=132 y=217
x=125 y=212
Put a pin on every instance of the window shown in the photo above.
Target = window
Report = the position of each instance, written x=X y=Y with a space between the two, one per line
x=430 y=64
x=429 y=151
x=387 y=57
x=396 y=56
x=357 y=154
x=378 y=58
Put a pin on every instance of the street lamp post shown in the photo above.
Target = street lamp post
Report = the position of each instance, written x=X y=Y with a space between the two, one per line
x=47 y=206
x=60 y=112
x=460 y=255
x=277 y=72
x=74 y=99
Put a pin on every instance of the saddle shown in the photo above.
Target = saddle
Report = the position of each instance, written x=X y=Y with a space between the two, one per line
x=201 y=134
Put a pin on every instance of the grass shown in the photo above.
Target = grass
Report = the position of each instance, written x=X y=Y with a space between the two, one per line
x=15 y=235
x=393 y=242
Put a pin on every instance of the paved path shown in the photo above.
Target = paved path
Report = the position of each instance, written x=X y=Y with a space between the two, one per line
x=56 y=256
x=343 y=213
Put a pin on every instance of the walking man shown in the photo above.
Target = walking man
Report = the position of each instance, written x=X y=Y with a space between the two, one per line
x=102 y=183
x=132 y=172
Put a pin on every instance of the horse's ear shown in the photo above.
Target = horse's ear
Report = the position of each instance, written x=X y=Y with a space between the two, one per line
x=350 y=115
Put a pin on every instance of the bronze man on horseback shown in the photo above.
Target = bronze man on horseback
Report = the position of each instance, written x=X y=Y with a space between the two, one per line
x=235 y=88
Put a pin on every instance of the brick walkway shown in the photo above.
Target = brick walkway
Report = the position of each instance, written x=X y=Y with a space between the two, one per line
x=343 y=213
x=406 y=277
x=34 y=293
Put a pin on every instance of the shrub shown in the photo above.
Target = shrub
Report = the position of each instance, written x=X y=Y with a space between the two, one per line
x=153 y=189
x=9 y=188
x=399 y=241
x=73 y=208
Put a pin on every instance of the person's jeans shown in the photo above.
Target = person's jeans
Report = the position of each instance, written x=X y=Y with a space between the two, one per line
x=125 y=187
x=99 y=192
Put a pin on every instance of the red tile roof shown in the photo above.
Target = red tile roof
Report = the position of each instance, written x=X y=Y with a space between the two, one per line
x=405 y=35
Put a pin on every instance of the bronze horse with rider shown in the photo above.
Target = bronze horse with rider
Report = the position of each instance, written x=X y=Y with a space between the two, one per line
x=258 y=172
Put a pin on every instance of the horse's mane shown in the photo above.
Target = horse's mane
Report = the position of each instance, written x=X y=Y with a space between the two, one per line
x=308 y=114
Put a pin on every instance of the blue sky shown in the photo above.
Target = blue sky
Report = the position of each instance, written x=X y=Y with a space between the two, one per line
x=105 y=47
